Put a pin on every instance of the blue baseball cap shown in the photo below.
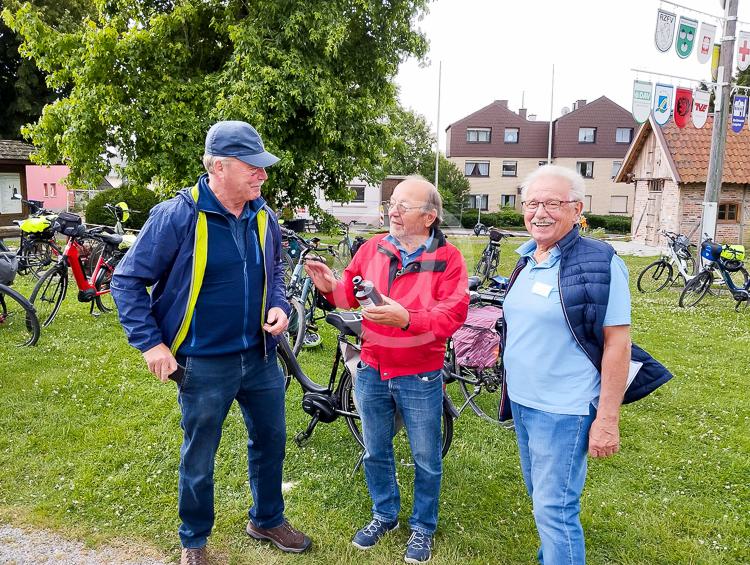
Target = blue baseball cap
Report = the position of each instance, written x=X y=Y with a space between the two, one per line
x=239 y=140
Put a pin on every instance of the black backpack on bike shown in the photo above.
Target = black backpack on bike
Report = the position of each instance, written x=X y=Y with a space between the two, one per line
x=358 y=242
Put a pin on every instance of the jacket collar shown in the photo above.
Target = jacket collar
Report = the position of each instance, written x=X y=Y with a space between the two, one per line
x=207 y=201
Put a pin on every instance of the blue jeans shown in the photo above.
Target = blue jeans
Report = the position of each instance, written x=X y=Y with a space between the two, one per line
x=419 y=399
x=208 y=389
x=553 y=450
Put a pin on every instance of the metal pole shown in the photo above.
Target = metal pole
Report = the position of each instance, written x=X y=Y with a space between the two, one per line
x=551 y=102
x=721 y=111
x=437 y=139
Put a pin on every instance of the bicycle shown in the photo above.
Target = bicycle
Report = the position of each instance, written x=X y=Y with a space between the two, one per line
x=19 y=325
x=490 y=259
x=480 y=376
x=347 y=246
x=327 y=403
x=728 y=260
x=660 y=274
x=49 y=292
x=38 y=248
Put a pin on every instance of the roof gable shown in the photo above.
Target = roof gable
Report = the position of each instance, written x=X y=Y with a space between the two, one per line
x=12 y=150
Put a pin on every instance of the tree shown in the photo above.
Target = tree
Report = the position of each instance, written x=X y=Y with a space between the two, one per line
x=452 y=184
x=149 y=78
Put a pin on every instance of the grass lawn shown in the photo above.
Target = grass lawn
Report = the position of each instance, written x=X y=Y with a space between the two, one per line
x=90 y=447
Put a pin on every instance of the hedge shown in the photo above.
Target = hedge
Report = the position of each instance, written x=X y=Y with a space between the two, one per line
x=140 y=201
x=505 y=218
x=611 y=224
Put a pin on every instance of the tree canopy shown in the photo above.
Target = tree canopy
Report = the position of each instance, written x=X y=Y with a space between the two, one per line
x=149 y=77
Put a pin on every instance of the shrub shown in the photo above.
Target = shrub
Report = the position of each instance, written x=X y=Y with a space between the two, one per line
x=611 y=224
x=505 y=218
x=140 y=201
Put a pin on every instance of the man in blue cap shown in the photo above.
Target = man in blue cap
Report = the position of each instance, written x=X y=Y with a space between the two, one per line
x=217 y=307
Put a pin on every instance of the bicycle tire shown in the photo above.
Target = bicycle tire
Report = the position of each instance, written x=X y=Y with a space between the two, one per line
x=19 y=331
x=344 y=254
x=696 y=289
x=35 y=256
x=104 y=302
x=295 y=332
x=653 y=279
x=346 y=401
x=49 y=293
x=482 y=268
x=690 y=267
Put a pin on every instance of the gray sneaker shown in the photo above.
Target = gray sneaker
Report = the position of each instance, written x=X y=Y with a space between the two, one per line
x=372 y=532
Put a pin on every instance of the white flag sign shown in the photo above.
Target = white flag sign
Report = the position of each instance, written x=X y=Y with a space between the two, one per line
x=705 y=42
x=700 y=107
x=743 y=50
x=641 y=100
x=665 y=22
x=662 y=103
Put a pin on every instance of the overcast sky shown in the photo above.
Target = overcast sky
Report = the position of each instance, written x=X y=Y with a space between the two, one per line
x=505 y=49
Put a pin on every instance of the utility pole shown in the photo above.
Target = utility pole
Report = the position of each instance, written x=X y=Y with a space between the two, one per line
x=722 y=109
x=551 y=117
x=437 y=133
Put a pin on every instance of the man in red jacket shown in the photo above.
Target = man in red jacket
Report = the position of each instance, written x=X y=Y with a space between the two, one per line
x=422 y=279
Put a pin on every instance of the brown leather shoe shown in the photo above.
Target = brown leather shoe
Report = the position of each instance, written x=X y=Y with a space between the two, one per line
x=285 y=537
x=194 y=556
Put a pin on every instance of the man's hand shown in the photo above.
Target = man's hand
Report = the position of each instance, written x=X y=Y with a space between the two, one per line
x=161 y=363
x=604 y=438
x=321 y=276
x=276 y=321
x=389 y=314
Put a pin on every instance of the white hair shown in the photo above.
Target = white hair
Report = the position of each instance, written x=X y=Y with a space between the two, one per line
x=577 y=184
x=434 y=200
x=210 y=160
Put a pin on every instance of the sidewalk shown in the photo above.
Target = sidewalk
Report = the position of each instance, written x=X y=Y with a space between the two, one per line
x=633 y=248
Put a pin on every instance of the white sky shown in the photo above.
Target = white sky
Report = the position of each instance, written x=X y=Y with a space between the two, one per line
x=501 y=49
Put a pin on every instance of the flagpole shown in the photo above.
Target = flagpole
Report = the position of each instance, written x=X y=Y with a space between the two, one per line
x=551 y=103
x=437 y=136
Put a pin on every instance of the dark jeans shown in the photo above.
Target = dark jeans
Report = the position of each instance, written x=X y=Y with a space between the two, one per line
x=209 y=387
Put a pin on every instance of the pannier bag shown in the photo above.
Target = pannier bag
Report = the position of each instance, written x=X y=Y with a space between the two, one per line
x=69 y=224
x=733 y=252
x=476 y=343
x=357 y=243
x=35 y=225
x=495 y=235
x=711 y=251
x=8 y=268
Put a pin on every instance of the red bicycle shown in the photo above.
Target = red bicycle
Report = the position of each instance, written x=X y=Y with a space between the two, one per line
x=50 y=290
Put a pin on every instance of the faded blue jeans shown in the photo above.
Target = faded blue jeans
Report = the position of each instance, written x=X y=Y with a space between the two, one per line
x=553 y=450
x=208 y=389
x=419 y=399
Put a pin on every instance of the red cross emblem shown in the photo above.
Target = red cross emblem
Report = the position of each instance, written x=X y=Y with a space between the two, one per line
x=744 y=50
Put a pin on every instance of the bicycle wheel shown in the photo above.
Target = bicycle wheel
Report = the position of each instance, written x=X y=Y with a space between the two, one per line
x=696 y=289
x=49 y=293
x=289 y=264
x=655 y=277
x=36 y=256
x=687 y=264
x=296 y=329
x=400 y=441
x=483 y=268
x=343 y=255
x=19 y=325
x=105 y=302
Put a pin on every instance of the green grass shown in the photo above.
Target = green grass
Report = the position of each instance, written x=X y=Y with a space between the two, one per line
x=90 y=446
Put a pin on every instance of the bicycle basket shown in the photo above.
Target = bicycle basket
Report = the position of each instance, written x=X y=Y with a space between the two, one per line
x=475 y=343
x=733 y=252
x=682 y=246
x=69 y=224
x=8 y=268
x=711 y=251
x=495 y=235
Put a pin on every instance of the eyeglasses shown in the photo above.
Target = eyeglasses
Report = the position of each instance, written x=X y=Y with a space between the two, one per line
x=402 y=208
x=549 y=205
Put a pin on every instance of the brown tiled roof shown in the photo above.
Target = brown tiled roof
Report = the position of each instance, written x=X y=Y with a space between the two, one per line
x=690 y=148
x=11 y=150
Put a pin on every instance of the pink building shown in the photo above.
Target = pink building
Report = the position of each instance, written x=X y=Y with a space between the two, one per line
x=47 y=184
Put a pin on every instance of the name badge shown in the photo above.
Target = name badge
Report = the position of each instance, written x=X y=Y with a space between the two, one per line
x=541 y=289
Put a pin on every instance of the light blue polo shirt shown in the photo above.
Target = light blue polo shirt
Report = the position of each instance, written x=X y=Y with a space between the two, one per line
x=407 y=257
x=546 y=368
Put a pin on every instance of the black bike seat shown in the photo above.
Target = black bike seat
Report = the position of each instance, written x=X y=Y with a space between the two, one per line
x=112 y=239
x=474 y=282
x=347 y=323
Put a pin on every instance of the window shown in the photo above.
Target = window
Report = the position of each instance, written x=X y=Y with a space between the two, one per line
x=656 y=185
x=728 y=212
x=510 y=168
x=624 y=135
x=511 y=135
x=359 y=193
x=478 y=135
x=10 y=183
x=585 y=169
x=479 y=201
x=50 y=189
x=618 y=205
x=616 y=168
x=477 y=168
x=508 y=200
x=586 y=135
x=587 y=204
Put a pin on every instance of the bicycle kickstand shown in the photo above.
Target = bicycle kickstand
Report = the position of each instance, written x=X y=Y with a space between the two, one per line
x=91 y=310
x=359 y=462
x=302 y=437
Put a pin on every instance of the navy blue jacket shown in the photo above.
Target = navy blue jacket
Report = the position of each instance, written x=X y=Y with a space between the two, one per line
x=584 y=279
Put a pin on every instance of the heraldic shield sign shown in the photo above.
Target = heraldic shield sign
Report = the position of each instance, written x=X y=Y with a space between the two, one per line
x=705 y=42
x=700 y=107
x=683 y=105
x=739 y=112
x=641 y=100
x=743 y=50
x=662 y=103
x=665 y=30
x=685 y=37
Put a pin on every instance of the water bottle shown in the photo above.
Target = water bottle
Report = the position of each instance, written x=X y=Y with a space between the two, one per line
x=366 y=293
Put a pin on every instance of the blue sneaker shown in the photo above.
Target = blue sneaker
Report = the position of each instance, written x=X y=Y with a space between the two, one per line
x=418 y=548
x=372 y=532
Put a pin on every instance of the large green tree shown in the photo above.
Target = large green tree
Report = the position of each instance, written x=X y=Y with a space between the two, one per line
x=148 y=78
